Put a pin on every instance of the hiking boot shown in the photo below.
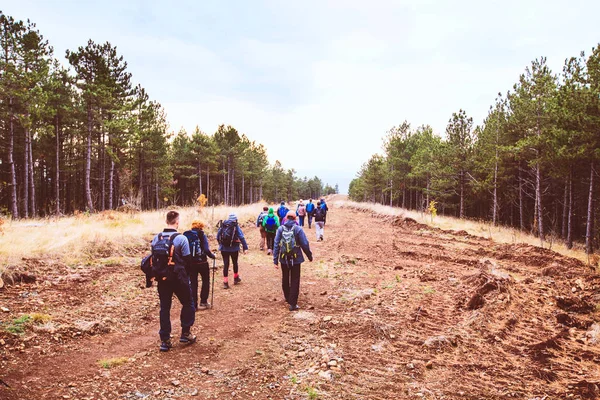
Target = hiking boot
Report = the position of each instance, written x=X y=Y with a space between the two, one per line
x=294 y=308
x=165 y=345
x=225 y=285
x=187 y=338
x=203 y=306
x=269 y=252
x=321 y=238
x=237 y=281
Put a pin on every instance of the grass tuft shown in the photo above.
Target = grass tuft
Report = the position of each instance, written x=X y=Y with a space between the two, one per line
x=112 y=362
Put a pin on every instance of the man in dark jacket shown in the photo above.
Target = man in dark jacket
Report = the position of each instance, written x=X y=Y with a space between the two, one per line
x=291 y=236
x=179 y=285
x=200 y=266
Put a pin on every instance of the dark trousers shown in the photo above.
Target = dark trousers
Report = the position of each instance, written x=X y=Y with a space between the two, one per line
x=204 y=272
x=270 y=240
x=310 y=217
x=181 y=289
x=301 y=220
x=290 y=283
x=234 y=260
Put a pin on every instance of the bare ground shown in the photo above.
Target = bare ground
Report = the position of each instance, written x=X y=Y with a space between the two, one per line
x=389 y=309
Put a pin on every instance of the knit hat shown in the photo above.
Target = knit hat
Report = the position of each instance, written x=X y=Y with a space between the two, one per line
x=232 y=217
x=291 y=215
x=283 y=203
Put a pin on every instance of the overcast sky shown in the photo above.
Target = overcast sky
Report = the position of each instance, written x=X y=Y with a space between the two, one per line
x=320 y=82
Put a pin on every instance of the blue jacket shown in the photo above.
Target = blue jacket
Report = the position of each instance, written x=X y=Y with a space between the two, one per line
x=301 y=245
x=236 y=246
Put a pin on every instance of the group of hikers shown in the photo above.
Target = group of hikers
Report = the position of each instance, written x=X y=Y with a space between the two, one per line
x=177 y=259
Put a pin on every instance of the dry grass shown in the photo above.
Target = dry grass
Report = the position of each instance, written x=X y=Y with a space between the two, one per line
x=108 y=234
x=112 y=362
x=500 y=234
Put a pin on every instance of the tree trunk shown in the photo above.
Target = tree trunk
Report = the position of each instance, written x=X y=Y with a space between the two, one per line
x=495 y=201
x=243 y=199
x=25 y=198
x=57 y=172
x=111 y=183
x=538 y=197
x=521 y=211
x=32 y=202
x=563 y=227
x=11 y=162
x=462 y=194
x=570 y=213
x=208 y=182
x=88 y=161
x=199 y=178
x=590 y=213
x=102 y=172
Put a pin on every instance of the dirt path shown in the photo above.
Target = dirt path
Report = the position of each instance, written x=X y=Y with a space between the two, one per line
x=390 y=309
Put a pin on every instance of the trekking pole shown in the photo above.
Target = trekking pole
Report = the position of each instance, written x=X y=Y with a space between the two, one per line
x=212 y=296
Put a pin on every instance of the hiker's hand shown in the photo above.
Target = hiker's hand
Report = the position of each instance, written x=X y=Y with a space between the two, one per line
x=245 y=252
x=276 y=265
x=310 y=259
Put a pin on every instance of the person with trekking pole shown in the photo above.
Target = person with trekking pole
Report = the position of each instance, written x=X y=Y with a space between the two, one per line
x=230 y=237
x=200 y=252
x=290 y=242
x=212 y=295
x=170 y=261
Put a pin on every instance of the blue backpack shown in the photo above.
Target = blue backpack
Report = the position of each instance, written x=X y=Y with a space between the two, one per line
x=282 y=212
x=271 y=224
x=310 y=207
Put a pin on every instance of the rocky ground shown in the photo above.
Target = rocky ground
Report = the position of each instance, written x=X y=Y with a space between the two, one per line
x=389 y=309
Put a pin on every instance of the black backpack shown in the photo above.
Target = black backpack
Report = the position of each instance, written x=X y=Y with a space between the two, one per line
x=195 y=245
x=228 y=233
x=162 y=257
x=320 y=214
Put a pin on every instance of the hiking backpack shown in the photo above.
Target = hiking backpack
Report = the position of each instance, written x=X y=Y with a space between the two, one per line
x=287 y=243
x=261 y=217
x=301 y=211
x=310 y=207
x=271 y=224
x=195 y=245
x=319 y=214
x=162 y=257
x=282 y=210
x=228 y=233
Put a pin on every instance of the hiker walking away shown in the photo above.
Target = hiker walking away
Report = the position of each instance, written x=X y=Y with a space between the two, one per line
x=170 y=257
x=282 y=211
x=261 y=228
x=310 y=210
x=320 y=214
x=230 y=236
x=301 y=213
x=270 y=225
x=200 y=252
x=324 y=206
x=290 y=242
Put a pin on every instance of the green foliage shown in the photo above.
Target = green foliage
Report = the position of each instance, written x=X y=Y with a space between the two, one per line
x=532 y=163
x=98 y=141
x=18 y=325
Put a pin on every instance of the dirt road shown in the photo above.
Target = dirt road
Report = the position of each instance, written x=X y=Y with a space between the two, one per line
x=389 y=309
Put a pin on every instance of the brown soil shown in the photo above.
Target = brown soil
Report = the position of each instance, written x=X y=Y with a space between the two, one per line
x=389 y=309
